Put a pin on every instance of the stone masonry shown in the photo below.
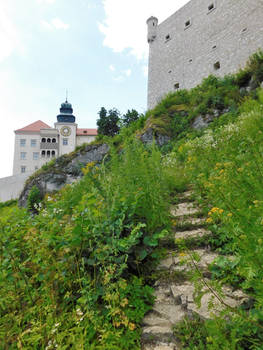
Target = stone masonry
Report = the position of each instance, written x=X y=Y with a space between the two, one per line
x=204 y=37
x=174 y=288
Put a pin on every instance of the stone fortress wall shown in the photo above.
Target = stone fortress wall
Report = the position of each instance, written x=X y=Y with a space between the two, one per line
x=204 y=37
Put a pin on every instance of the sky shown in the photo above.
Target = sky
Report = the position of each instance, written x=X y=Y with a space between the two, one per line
x=95 y=49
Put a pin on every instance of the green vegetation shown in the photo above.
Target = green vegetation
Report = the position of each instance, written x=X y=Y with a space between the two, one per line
x=73 y=274
x=34 y=198
x=77 y=275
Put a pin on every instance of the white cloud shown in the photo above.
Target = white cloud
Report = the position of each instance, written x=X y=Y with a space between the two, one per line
x=112 y=68
x=9 y=37
x=125 y=24
x=46 y=1
x=55 y=23
x=128 y=72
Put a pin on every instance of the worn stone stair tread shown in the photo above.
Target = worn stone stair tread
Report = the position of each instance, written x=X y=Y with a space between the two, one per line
x=184 y=294
x=185 y=195
x=183 y=209
x=152 y=319
x=160 y=346
x=184 y=263
x=196 y=233
x=170 y=312
x=157 y=333
x=190 y=220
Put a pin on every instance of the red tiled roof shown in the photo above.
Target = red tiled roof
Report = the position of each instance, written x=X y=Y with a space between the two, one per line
x=34 y=127
x=87 y=132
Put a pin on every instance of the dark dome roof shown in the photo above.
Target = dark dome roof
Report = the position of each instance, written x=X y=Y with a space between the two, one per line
x=66 y=107
x=66 y=113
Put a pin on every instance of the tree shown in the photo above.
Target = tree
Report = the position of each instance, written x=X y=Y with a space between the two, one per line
x=130 y=117
x=108 y=122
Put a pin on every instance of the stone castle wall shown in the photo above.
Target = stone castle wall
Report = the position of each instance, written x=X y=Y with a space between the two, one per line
x=204 y=37
x=12 y=186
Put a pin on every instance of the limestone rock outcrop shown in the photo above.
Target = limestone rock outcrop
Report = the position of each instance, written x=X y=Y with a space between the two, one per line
x=65 y=170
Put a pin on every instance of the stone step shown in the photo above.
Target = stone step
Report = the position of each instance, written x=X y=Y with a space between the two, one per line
x=184 y=221
x=160 y=346
x=185 y=195
x=184 y=209
x=157 y=333
x=184 y=295
x=182 y=262
x=197 y=233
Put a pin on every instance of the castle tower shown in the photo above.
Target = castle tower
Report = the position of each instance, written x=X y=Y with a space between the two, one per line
x=152 y=24
x=67 y=128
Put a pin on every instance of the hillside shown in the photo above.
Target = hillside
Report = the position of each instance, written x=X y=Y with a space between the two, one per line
x=81 y=272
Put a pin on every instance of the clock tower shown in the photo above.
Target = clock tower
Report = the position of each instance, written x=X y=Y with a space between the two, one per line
x=67 y=128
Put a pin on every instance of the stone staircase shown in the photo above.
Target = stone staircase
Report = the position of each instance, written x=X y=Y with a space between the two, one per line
x=175 y=292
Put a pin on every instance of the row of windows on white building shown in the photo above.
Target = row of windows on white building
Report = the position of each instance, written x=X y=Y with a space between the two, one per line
x=44 y=153
x=33 y=142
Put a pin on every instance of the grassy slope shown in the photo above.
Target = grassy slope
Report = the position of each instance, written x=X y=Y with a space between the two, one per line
x=75 y=276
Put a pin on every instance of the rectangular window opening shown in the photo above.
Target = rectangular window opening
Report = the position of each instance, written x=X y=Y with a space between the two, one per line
x=211 y=7
x=187 y=23
x=65 y=142
x=22 y=142
x=217 y=65
x=23 y=169
x=35 y=155
x=33 y=142
x=22 y=155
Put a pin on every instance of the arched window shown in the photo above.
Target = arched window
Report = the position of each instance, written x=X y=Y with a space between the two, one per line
x=48 y=154
x=53 y=153
x=54 y=140
x=43 y=139
x=48 y=140
x=43 y=153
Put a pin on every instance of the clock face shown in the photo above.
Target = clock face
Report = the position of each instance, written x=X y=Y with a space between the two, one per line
x=65 y=131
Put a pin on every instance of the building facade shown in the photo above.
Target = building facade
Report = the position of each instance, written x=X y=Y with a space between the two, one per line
x=204 y=37
x=38 y=143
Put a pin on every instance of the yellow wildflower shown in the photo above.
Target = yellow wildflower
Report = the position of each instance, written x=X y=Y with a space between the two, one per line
x=209 y=220
x=182 y=254
x=132 y=326
x=229 y=214
x=124 y=302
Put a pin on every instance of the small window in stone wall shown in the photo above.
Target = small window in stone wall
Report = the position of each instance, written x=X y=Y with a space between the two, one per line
x=22 y=142
x=65 y=142
x=168 y=37
x=23 y=169
x=43 y=154
x=217 y=65
x=211 y=7
x=35 y=155
x=187 y=24
x=176 y=86
x=22 y=155
x=33 y=142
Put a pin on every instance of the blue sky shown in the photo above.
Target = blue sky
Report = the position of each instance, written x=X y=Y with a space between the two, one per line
x=96 y=49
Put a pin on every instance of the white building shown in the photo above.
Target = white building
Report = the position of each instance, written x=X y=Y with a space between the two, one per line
x=38 y=143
